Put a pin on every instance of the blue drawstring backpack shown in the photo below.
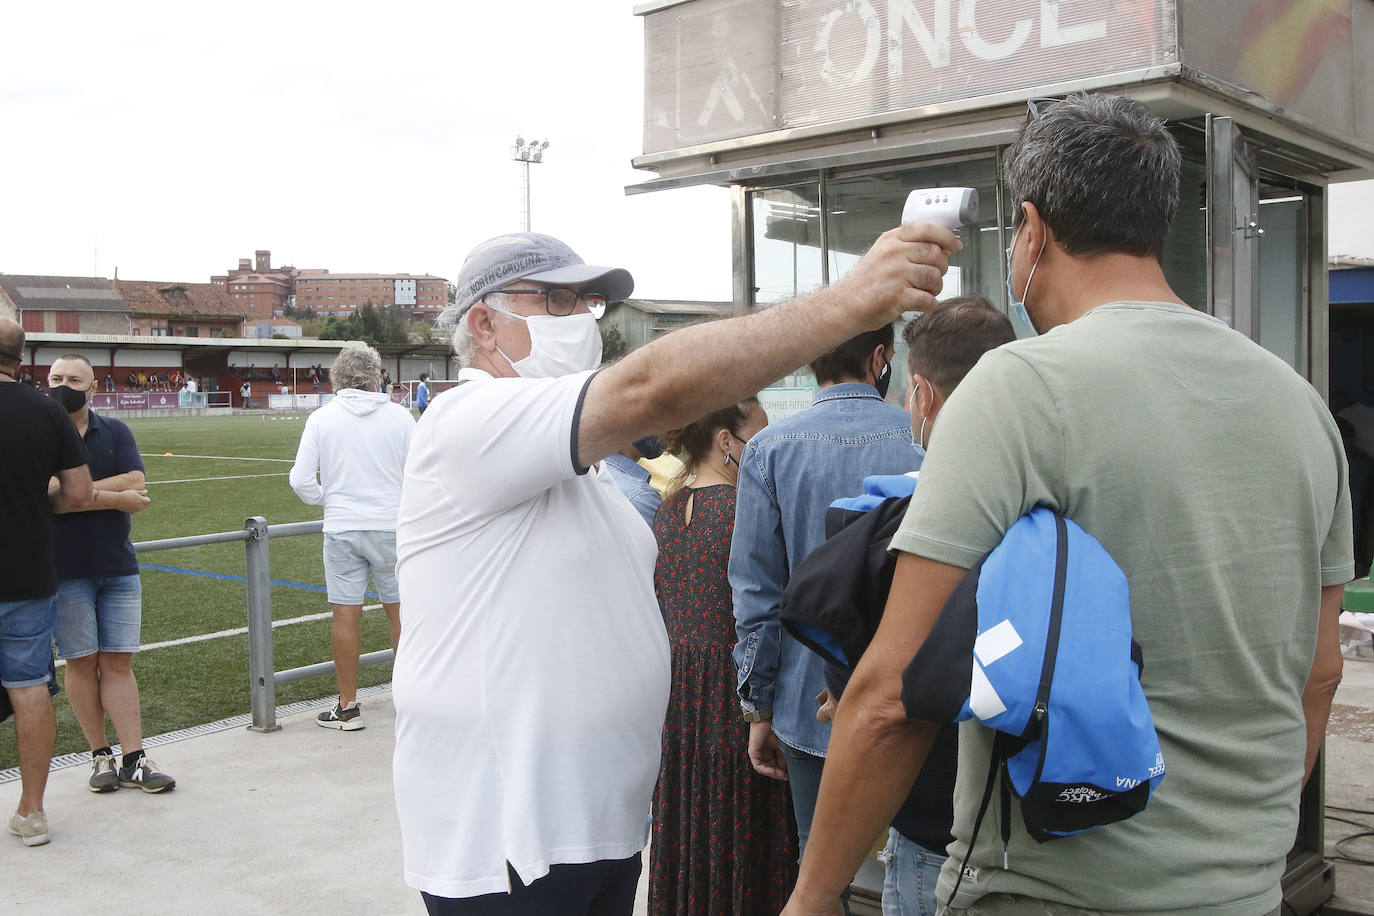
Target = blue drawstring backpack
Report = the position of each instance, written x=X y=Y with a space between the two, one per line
x=1035 y=643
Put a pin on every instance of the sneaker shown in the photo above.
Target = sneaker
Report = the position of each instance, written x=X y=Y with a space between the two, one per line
x=348 y=719
x=103 y=775
x=144 y=775
x=33 y=830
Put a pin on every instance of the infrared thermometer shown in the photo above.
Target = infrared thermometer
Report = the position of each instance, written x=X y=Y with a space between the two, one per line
x=948 y=207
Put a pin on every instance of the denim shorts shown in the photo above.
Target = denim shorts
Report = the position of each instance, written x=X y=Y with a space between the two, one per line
x=347 y=557
x=26 y=641
x=99 y=615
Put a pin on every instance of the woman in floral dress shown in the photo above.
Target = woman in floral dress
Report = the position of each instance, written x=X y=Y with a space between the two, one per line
x=724 y=841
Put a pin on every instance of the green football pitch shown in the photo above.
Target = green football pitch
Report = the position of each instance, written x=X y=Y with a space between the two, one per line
x=221 y=470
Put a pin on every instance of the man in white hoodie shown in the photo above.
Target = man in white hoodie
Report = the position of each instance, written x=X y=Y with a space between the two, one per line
x=357 y=443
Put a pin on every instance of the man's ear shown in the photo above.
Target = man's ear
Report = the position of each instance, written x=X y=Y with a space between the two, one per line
x=920 y=394
x=1034 y=226
x=876 y=360
x=482 y=325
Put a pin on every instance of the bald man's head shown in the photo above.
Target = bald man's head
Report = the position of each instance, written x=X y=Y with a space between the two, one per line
x=11 y=344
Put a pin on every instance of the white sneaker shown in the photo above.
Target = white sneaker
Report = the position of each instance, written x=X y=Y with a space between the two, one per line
x=33 y=830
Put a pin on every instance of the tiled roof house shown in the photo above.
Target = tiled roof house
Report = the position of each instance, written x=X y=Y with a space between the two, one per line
x=182 y=309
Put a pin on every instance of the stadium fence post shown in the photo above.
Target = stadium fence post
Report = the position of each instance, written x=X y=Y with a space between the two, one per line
x=262 y=685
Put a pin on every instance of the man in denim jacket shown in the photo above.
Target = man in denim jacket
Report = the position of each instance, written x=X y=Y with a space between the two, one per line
x=791 y=471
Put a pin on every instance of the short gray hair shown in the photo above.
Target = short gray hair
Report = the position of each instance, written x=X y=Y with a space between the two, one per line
x=1102 y=171
x=452 y=323
x=357 y=367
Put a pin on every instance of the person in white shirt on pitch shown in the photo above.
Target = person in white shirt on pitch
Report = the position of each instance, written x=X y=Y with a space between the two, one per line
x=357 y=444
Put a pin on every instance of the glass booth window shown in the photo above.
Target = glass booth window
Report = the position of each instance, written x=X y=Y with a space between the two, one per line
x=1283 y=273
x=1185 y=247
x=786 y=243
x=861 y=207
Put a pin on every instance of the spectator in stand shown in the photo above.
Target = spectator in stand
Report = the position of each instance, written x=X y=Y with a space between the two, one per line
x=386 y=382
x=109 y=382
x=276 y=373
x=42 y=443
x=191 y=386
x=724 y=840
x=357 y=444
x=246 y=392
x=99 y=593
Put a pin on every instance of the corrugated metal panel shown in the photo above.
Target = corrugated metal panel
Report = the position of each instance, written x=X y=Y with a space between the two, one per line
x=721 y=69
x=80 y=294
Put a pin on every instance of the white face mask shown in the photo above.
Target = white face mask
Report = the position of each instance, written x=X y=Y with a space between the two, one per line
x=558 y=345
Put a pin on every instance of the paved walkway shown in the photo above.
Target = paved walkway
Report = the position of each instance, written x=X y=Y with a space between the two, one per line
x=302 y=821
x=299 y=821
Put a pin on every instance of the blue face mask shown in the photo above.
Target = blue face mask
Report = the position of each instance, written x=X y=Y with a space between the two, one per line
x=1016 y=308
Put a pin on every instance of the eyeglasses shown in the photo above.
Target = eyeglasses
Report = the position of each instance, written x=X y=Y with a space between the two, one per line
x=560 y=300
x=1035 y=107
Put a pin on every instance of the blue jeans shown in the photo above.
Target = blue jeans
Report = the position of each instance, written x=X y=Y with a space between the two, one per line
x=26 y=641
x=911 y=872
x=804 y=778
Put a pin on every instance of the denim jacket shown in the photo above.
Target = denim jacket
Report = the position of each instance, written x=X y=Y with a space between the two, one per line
x=788 y=476
x=633 y=481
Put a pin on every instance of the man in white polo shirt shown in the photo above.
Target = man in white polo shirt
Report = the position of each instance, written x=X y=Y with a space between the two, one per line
x=532 y=677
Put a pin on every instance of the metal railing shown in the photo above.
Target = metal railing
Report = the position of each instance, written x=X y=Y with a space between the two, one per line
x=263 y=678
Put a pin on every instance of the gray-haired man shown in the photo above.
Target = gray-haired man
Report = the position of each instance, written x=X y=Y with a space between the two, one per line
x=531 y=687
x=357 y=444
x=1235 y=566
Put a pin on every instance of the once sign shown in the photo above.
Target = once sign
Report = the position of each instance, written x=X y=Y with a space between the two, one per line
x=718 y=69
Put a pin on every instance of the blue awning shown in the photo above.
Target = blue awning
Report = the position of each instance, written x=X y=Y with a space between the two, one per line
x=1352 y=285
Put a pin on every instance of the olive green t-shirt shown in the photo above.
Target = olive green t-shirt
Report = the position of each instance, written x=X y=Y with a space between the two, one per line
x=1214 y=476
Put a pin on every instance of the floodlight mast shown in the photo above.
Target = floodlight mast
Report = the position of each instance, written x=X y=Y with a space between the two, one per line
x=526 y=153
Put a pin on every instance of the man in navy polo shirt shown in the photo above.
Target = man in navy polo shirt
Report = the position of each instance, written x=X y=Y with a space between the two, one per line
x=99 y=594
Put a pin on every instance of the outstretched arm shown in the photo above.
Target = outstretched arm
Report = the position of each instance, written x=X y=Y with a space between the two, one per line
x=684 y=375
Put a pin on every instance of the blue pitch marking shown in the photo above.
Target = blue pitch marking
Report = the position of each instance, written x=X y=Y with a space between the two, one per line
x=210 y=575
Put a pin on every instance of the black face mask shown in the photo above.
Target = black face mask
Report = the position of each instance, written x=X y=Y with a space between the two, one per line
x=884 y=381
x=70 y=399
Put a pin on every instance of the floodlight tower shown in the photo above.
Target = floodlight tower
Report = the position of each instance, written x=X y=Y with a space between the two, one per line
x=526 y=154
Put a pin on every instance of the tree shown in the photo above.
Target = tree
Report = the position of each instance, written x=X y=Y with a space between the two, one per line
x=613 y=345
x=452 y=292
x=373 y=324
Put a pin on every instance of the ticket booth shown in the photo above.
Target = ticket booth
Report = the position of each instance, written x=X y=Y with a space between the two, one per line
x=820 y=115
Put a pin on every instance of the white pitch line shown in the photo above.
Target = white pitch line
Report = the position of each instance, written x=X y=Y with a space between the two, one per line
x=216 y=457
x=237 y=631
x=203 y=479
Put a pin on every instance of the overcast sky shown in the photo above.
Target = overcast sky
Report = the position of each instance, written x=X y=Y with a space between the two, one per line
x=170 y=139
